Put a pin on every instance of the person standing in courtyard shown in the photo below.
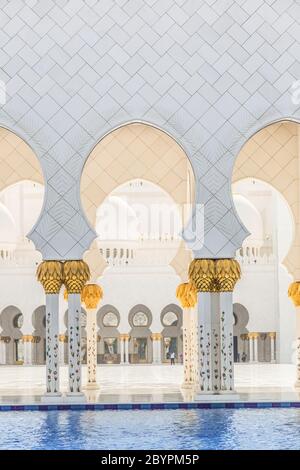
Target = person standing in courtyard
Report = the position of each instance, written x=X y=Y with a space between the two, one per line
x=172 y=357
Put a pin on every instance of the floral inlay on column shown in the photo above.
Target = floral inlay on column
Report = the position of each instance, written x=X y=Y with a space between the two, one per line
x=187 y=296
x=90 y=297
x=76 y=274
x=50 y=275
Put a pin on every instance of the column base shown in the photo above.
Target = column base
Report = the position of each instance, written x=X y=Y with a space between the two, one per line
x=75 y=397
x=217 y=397
x=92 y=386
x=52 y=398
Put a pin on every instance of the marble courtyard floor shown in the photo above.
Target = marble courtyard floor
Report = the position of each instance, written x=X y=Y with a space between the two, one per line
x=149 y=383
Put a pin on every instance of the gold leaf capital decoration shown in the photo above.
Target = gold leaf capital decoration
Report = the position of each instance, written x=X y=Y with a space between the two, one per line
x=50 y=275
x=63 y=338
x=91 y=295
x=187 y=295
x=156 y=336
x=27 y=338
x=124 y=337
x=228 y=272
x=201 y=274
x=294 y=293
x=76 y=274
x=214 y=275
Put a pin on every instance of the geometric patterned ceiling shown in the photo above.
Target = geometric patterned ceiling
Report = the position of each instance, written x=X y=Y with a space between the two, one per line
x=272 y=155
x=135 y=151
x=17 y=160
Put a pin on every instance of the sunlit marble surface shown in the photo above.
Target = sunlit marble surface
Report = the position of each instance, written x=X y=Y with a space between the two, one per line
x=149 y=383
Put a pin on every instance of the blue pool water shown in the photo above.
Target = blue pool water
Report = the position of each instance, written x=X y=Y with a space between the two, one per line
x=169 y=429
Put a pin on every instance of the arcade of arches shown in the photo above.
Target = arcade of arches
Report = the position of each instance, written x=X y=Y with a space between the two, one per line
x=137 y=191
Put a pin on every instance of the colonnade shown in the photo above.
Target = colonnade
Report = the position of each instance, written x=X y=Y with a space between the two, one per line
x=208 y=337
x=252 y=339
x=207 y=326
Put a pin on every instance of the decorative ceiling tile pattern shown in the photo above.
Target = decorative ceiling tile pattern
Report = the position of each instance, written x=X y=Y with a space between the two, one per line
x=210 y=73
x=135 y=151
x=272 y=155
x=17 y=161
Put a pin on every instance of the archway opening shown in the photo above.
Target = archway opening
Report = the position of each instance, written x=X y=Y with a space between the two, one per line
x=137 y=190
x=21 y=201
x=265 y=192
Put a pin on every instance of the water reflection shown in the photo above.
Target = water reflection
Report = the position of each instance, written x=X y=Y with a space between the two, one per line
x=169 y=429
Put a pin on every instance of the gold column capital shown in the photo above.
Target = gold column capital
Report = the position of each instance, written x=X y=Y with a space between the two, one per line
x=63 y=338
x=91 y=295
x=294 y=293
x=50 y=275
x=27 y=338
x=254 y=335
x=214 y=275
x=156 y=336
x=75 y=275
x=5 y=339
x=187 y=295
x=272 y=334
x=124 y=337
x=244 y=336
x=36 y=339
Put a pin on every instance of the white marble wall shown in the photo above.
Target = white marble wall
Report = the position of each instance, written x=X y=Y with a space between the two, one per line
x=209 y=73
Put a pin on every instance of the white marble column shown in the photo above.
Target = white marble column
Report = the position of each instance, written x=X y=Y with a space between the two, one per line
x=251 y=348
x=156 y=348
x=214 y=281
x=194 y=348
x=2 y=351
x=187 y=349
x=91 y=333
x=63 y=339
x=75 y=274
x=226 y=341
x=297 y=384
x=209 y=342
x=28 y=350
x=294 y=294
x=187 y=295
x=74 y=335
x=126 y=347
x=91 y=295
x=50 y=275
x=52 y=359
x=122 y=350
x=272 y=336
x=255 y=346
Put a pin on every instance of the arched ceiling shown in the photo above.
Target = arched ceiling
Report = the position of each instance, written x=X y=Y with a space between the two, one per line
x=17 y=160
x=135 y=151
x=272 y=155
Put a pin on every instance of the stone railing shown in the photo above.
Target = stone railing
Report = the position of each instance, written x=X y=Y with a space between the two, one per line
x=252 y=255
